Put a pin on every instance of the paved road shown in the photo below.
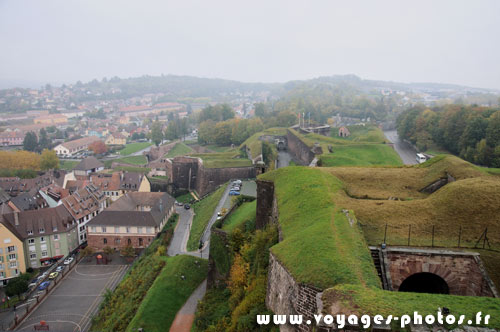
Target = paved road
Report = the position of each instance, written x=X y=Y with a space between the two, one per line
x=181 y=233
x=284 y=159
x=405 y=150
x=185 y=317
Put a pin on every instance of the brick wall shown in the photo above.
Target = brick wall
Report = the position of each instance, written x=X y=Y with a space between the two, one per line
x=97 y=241
x=462 y=272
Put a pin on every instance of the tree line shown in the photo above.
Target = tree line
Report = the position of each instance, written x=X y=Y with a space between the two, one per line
x=471 y=132
x=25 y=160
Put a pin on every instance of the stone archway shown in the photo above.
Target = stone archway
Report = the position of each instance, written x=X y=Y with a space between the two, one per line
x=425 y=282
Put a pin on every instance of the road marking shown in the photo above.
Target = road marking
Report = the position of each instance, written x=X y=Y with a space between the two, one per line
x=77 y=327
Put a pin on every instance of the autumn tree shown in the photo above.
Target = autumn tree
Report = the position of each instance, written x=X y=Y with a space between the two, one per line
x=49 y=160
x=98 y=147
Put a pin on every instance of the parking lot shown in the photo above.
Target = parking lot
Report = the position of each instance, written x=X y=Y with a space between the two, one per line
x=70 y=306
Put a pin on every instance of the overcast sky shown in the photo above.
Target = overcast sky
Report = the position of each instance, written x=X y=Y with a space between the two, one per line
x=270 y=41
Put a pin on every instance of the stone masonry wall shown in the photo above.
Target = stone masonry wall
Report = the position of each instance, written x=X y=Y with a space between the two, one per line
x=299 y=150
x=287 y=297
x=461 y=272
x=208 y=179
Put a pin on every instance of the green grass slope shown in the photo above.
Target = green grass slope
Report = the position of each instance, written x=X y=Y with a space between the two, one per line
x=180 y=149
x=134 y=147
x=203 y=210
x=244 y=213
x=169 y=293
x=319 y=245
x=361 y=155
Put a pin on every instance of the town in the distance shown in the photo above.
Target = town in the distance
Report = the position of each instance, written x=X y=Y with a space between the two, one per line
x=177 y=203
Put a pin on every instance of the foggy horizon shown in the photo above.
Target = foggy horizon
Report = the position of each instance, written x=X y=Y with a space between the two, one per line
x=450 y=42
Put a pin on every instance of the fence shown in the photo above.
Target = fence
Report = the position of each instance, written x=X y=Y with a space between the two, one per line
x=467 y=237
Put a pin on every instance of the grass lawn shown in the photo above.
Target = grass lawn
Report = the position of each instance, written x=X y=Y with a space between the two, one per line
x=244 y=213
x=217 y=148
x=223 y=159
x=203 y=210
x=67 y=165
x=186 y=198
x=179 y=149
x=133 y=160
x=361 y=155
x=169 y=293
x=365 y=134
x=134 y=147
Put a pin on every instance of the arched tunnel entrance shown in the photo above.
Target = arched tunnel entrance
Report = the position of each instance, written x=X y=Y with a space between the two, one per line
x=425 y=283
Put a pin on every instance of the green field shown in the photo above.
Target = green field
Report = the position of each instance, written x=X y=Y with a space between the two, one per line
x=67 y=165
x=365 y=134
x=134 y=147
x=186 y=198
x=223 y=159
x=132 y=169
x=203 y=210
x=217 y=148
x=361 y=155
x=244 y=213
x=169 y=293
x=132 y=160
x=180 y=149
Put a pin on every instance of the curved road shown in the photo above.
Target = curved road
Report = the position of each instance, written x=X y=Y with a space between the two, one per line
x=405 y=150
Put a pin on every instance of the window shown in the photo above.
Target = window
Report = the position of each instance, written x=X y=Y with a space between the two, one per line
x=44 y=253
x=92 y=229
x=56 y=237
x=129 y=242
x=33 y=256
x=139 y=230
x=31 y=241
x=128 y=229
x=41 y=230
x=54 y=229
x=6 y=240
x=103 y=229
x=11 y=249
x=117 y=229
x=105 y=241
x=12 y=265
x=42 y=238
x=11 y=257
x=30 y=232
x=140 y=242
x=118 y=241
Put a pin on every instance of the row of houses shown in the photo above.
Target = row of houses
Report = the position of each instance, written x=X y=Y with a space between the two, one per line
x=52 y=219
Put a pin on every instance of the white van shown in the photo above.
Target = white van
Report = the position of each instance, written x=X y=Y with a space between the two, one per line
x=421 y=158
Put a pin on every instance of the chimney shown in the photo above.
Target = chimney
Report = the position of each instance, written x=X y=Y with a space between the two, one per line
x=16 y=218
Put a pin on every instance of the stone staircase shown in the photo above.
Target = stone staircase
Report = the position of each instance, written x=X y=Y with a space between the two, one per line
x=378 y=262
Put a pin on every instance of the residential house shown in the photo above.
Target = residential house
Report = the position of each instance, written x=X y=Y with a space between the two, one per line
x=116 y=184
x=12 y=260
x=116 y=138
x=344 y=132
x=11 y=137
x=87 y=166
x=134 y=219
x=15 y=185
x=68 y=149
x=47 y=234
x=83 y=205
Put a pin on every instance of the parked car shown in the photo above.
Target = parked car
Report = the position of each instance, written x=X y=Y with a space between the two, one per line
x=44 y=285
x=60 y=268
x=44 y=275
x=53 y=275
x=187 y=206
x=33 y=283
x=68 y=260
x=234 y=193
x=178 y=203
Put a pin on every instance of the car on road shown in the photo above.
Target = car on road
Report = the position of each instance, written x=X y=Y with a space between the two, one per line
x=44 y=275
x=234 y=193
x=187 y=206
x=60 y=268
x=44 y=285
x=179 y=203
x=68 y=260
x=53 y=275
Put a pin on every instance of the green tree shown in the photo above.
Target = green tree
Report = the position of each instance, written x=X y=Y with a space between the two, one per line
x=128 y=251
x=49 y=160
x=30 y=141
x=156 y=133
x=44 y=141
x=16 y=286
x=206 y=132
